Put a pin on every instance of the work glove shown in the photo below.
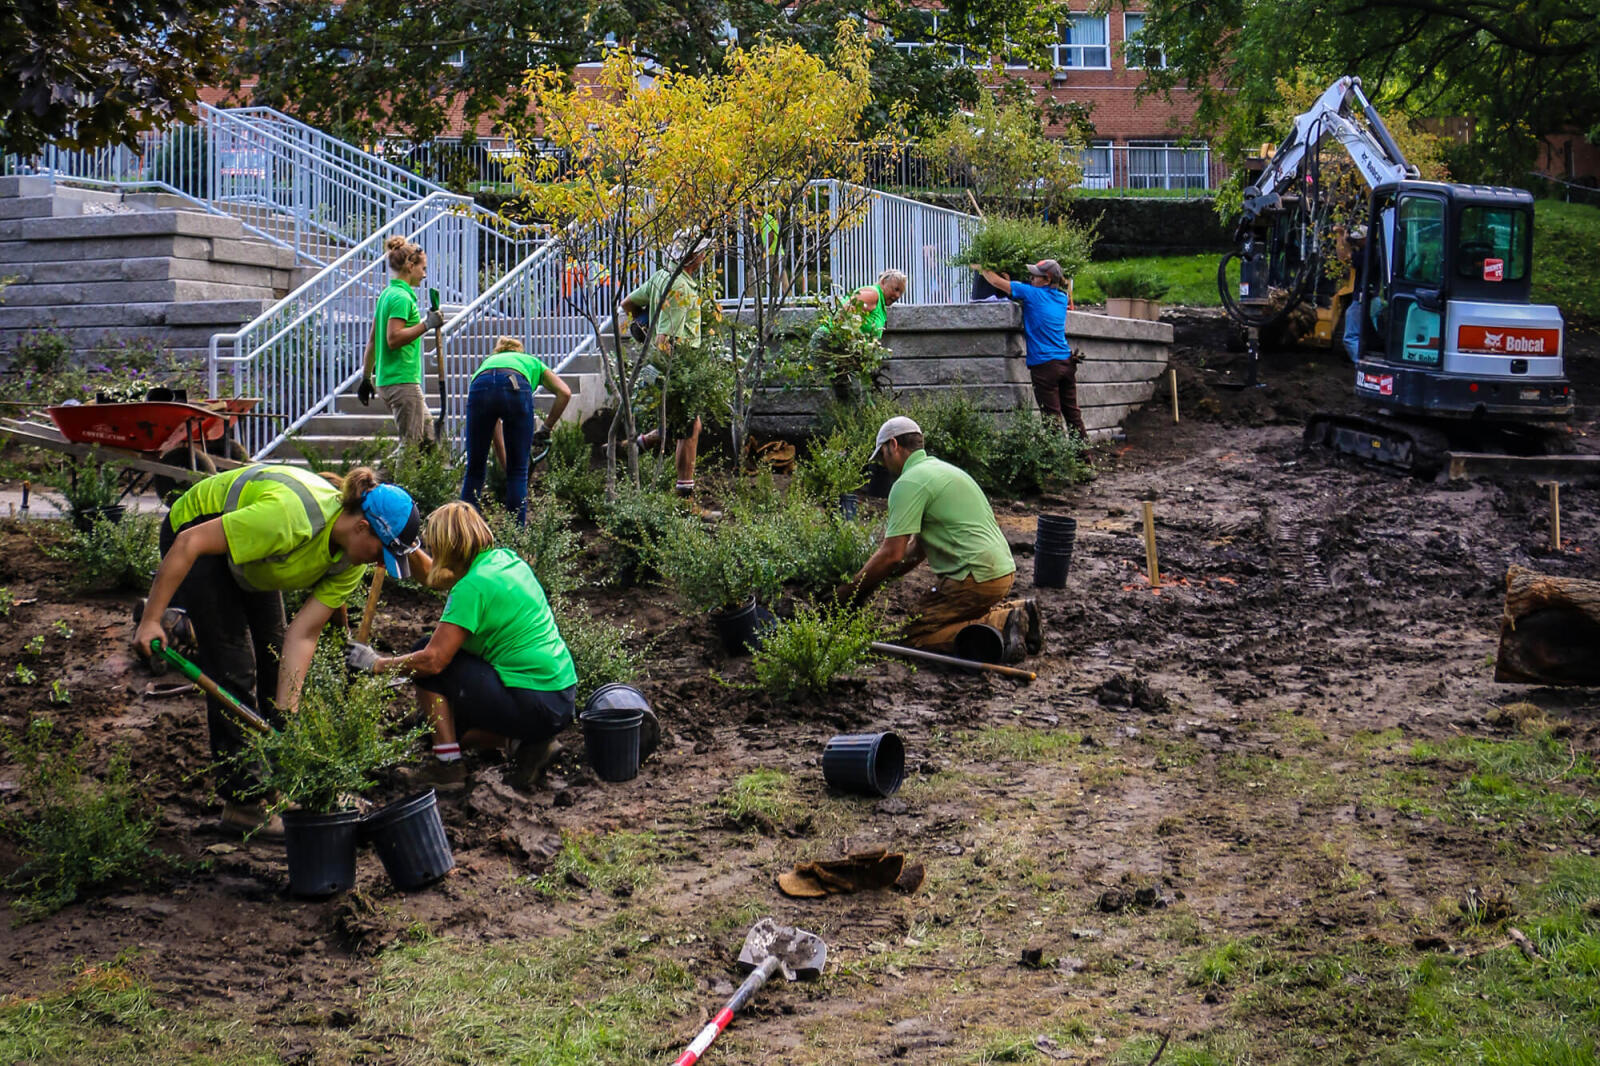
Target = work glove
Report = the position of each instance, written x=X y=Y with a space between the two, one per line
x=435 y=319
x=541 y=437
x=360 y=657
x=365 y=390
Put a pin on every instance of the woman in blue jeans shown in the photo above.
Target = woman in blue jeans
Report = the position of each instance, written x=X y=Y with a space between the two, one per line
x=500 y=411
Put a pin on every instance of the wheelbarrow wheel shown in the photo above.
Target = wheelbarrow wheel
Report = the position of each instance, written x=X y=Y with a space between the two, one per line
x=229 y=448
x=186 y=457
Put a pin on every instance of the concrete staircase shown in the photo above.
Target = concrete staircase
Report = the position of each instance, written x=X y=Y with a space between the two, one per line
x=107 y=268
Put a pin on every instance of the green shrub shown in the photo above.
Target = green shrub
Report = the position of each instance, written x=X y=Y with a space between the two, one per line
x=547 y=543
x=569 y=474
x=694 y=383
x=836 y=352
x=636 y=518
x=431 y=473
x=601 y=652
x=373 y=453
x=81 y=832
x=85 y=488
x=1007 y=245
x=1132 y=283
x=834 y=465
x=956 y=431
x=824 y=547
x=112 y=555
x=42 y=352
x=334 y=745
x=1031 y=452
x=801 y=656
x=722 y=569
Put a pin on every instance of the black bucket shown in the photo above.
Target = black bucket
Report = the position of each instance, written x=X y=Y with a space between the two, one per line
x=611 y=739
x=1050 y=568
x=409 y=838
x=322 y=852
x=1056 y=531
x=982 y=290
x=849 y=503
x=981 y=643
x=615 y=696
x=881 y=481
x=84 y=518
x=740 y=629
x=869 y=764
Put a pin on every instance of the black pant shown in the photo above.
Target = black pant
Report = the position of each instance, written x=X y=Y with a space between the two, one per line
x=1055 y=386
x=240 y=636
x=480 y=700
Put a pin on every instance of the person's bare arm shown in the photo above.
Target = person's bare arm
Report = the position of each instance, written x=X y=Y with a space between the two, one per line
x=434 y=657
x=207 y=538
x=500 y=443
x=369 y=361
x=866 y=297
x=299 y=645
x=399 y=334
x=562 y=393
x=884 y=564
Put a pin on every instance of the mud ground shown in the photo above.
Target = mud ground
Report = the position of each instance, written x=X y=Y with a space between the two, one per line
x=1204 y=763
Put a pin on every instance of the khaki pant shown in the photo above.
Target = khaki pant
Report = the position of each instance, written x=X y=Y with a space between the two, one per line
x=410 y=410
x=954 y=605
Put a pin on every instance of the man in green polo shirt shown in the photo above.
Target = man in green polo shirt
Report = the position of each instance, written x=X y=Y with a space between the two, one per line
x=938 y=513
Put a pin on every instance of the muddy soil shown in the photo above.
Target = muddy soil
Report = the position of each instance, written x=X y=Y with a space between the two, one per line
x=1191 y=766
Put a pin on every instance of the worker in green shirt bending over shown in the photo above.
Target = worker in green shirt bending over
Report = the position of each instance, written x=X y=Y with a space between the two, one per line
x=394 y=347
x=938 y=513
x=495 y=673
x=676 y=314
x=230 y=548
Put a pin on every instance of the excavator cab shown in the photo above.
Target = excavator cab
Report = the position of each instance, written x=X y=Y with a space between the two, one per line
x=1447 y=328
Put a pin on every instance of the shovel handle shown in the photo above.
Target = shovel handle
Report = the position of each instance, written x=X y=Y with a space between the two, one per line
x=904 y=652
x=714 y=1028
x=210 y=687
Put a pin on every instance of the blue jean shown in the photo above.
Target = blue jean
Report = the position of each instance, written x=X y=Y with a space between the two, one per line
x=1352 y=328
x=500 y=396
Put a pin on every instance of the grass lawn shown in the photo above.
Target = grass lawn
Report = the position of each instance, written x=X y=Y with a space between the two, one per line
x=1193 y=278
x=1566 y=263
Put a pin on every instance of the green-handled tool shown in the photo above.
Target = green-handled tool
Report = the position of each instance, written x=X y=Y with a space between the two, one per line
x=438 y=359
x=210 y=687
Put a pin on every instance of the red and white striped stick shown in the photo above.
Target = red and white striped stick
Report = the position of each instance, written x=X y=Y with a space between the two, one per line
x=714 y=1028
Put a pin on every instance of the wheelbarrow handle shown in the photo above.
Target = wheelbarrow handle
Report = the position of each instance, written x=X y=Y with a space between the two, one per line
x=210 y=687
x=714 y=1028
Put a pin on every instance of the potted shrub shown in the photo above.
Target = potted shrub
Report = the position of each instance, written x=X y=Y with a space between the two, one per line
x=727 y=574
x=835 y=469
x=849 y=361
x=329 y=751
x=1007 y=245
x=1133 y=292
x=89 y=491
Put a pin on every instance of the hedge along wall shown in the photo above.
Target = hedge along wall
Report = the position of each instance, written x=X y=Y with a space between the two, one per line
x=979 y=349
x=1142 y=225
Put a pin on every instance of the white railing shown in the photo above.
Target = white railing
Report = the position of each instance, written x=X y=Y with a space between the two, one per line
x=906 y=235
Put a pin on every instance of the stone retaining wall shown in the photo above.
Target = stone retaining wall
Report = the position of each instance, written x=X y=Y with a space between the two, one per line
x=979 y=348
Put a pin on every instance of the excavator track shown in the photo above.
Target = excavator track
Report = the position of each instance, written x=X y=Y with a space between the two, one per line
x=1405 y=447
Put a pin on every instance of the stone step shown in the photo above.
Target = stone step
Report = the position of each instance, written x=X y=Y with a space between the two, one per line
x=221 y=249
x=18 y=207
x=69 y=294
x=132 y=314
x=152 y=268
x=24 y=185
x=121 y=226
x=88 y=339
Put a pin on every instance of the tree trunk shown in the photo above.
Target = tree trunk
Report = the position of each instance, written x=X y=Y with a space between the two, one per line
x=1550 y=631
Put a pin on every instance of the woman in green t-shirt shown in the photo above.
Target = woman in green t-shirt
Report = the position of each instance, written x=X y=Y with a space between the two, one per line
x=500 y=410
x=394 y=345
x=495 y=673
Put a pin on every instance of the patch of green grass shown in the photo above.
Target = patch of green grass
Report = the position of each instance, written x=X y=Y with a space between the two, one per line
x=763 y=799
x=1226 y=963
x=1367 y=741
x=1565 y=272
x=1514 y=781
x=613 y=863
x=107 y=1013
x=593 y=997
x=1294 y=775
x=1193 y=278
x=1020 y=742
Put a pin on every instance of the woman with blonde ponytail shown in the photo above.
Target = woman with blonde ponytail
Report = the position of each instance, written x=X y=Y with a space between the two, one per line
x=230 y=548
x=394 y=345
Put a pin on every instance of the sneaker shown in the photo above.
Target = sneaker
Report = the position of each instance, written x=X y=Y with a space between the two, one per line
x=433 y=773
x=1034 y=638
x=531 y=760
x=250 y=820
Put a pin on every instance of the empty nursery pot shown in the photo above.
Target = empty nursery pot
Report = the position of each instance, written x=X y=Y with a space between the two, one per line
x=981 y=643
x=849 y=503
x=868 y=764
x=615 y=696
x=322 y=852
x=880 y=483
x=740 y=628
x=84 y=518
x=1050 y=568
x=409 y=837
x=611 y=740
x=1056 y=531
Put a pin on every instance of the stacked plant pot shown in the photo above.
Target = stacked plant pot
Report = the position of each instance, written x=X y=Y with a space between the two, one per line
x=1052 y=550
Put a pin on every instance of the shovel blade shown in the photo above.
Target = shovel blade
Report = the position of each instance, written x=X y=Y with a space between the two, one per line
x=801 y=955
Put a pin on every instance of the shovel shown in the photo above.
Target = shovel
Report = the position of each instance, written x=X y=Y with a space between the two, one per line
x=210 y=687
x=768 y=949
x=438 y=358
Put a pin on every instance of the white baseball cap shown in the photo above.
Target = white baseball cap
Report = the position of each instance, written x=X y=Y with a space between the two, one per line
x=898 y=426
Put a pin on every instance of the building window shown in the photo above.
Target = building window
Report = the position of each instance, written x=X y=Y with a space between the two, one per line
x=1134 y=53
x=1096 y=163
x=1085 y=43
x=1165 y=166
x=909 y=40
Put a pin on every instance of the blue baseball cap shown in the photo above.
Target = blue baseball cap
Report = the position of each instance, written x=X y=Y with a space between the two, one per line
x=397 y=523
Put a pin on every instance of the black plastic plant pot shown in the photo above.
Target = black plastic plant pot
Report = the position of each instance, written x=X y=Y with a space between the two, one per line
x=83 y=518
x=881 y=481
x=1058 y=525
x=322 y=852
x=615 y=696
x=1050 y=569
x=981 y=289
x=981 y=643
x=849 y=503
x=867 y=764
x=740 y=628
x=409 y=837
x=611 y=740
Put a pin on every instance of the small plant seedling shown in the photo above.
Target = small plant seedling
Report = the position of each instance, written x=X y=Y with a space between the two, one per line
x=63 y=630
x=35 y=646
x=7 y=600
x=59 y=692
x=23 y=676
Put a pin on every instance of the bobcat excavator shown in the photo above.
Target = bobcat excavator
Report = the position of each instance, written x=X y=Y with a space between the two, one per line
x=1452 y=353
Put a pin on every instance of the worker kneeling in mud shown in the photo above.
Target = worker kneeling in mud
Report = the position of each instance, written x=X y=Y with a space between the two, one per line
x=495 y=673
x=230 y=547
x=938 y=513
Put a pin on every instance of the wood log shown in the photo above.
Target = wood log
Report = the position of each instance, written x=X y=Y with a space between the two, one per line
x=1550 y=630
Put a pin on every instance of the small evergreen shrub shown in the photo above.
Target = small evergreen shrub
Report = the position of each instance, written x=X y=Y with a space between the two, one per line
x=1032 y=452
x=956 y=431
x=601 y=652
x=81 y=832
x=835 y=465
x=112 y=555
x=334 y=745
x=635 y=519
x=1006 y=245
x=825 y=547
x=800 y=657
x=86 y=488
x=1132 y=283
x=569 y=475
x=431 y=473
x=547 y=543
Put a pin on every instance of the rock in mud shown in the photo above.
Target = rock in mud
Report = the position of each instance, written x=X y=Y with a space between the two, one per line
x=1124 y=693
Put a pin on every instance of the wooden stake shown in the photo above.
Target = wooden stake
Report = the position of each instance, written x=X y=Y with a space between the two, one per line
x=372 y=604
x=973 y=200
x=1555 y=515
x=1172 y=376
x=1150 y=544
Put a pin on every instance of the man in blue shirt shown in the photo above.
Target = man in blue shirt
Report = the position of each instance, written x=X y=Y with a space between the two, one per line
x=1051 y=366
